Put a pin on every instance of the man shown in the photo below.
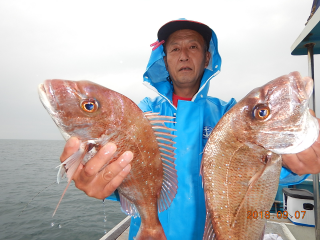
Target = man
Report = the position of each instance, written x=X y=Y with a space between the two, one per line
x=180 y=71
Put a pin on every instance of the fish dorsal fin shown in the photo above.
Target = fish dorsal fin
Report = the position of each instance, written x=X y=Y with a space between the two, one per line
x=208 y=229
x=165 y=143
x=128 y=207
x=70 y=165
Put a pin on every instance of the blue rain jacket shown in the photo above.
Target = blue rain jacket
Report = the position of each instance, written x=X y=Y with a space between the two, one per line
x=195 y=119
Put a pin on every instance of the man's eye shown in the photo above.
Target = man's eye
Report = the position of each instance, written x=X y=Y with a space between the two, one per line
x=175 y=49
x=193 y=47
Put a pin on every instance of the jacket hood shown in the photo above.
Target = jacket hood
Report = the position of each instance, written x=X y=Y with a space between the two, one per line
x=156 y=75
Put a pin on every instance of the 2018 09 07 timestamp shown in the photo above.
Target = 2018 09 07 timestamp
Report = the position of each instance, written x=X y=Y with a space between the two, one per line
x=280 y=215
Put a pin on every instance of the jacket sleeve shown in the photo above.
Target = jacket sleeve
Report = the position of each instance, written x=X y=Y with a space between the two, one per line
x=145 y=105
x=230 y=104
x=289 y=178
x=114 y=196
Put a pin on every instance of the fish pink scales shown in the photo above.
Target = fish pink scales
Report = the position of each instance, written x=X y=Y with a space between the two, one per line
x=242 y=162
x=97 y=115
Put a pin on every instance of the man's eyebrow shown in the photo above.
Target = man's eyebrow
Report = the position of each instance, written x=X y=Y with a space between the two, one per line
x=174 y=43
x=192 y=40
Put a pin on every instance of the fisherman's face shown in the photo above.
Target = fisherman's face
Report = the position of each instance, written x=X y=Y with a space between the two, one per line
x=186 y=58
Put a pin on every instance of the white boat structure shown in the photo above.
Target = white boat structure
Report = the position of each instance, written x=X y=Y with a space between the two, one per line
x=120 y=231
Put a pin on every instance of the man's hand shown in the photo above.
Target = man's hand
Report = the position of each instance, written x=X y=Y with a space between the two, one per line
x=88 y=178
x=307 y=161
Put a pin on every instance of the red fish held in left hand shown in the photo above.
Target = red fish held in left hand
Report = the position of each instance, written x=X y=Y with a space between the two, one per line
x=242 y=159
x=97 y=115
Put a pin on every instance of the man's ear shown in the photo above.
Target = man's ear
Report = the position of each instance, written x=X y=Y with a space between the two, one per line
x=208 y=56
x=165 y=61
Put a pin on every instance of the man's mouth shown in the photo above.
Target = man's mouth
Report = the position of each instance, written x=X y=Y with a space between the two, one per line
x=185 y=69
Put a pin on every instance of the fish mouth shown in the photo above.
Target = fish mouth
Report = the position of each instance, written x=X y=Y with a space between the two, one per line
x=309 y=136
x=47 y=103
x=44 y=99
x=303 y=86
x=307 y=85
x=299 y=88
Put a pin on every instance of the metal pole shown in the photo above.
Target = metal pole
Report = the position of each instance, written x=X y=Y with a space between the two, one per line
x=312 y=102
x=312 y=105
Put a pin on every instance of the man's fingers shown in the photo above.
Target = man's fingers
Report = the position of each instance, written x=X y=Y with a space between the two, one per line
x=316 y=144
x=95 y=179
x=312 y=112
x=84 y=181
x=117 y=166
x=106 y=181
x=292 y=162
x=116 y=181
x=72 y=145
x=307 y=161
x=103 y=156
x=112 y=175
x=303 y=162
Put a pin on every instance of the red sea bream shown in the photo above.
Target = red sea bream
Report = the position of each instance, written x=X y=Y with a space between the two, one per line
x=242 y=158
x=97 y=115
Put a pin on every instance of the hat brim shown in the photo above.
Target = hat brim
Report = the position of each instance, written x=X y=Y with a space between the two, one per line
x=166 y=30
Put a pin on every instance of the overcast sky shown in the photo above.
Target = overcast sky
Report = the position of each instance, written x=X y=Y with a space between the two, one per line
x=108 y=42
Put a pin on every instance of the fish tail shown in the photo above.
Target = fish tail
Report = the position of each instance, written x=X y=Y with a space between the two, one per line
x=154 y=233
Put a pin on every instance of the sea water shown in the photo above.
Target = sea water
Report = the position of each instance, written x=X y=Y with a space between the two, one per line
x=26 y=168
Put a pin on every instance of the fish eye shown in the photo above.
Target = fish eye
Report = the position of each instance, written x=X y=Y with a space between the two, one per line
x=89 y=105
x=261 y=111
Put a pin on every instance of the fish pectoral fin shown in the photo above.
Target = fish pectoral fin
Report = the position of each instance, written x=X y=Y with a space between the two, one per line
x=61 y=197
x=258 y=174
x=128 y=207
x=70 y=165
x=251 y=183
x=61 y=173
x=208 y=229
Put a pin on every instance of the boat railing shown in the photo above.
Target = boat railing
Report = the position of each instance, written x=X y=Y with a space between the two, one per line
x=118 y=230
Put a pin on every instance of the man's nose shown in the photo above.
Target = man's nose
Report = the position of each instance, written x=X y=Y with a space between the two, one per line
x=184 y=55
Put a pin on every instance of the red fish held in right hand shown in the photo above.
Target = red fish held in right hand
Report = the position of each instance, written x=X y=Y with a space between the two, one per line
x=97 y=115
x=242 y=162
